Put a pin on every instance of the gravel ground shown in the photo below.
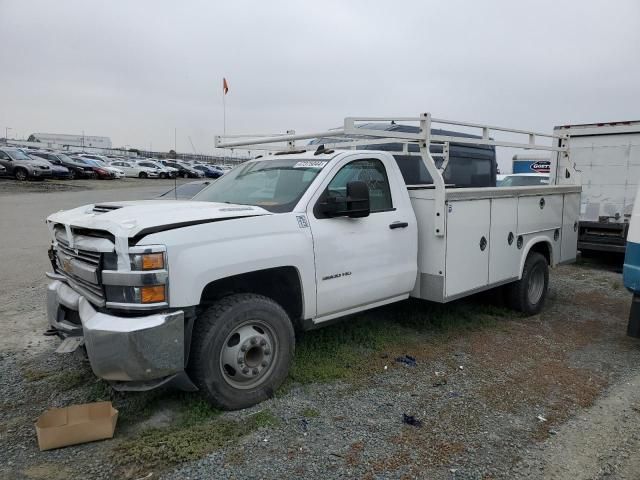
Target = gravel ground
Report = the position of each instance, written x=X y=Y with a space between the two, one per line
x=552 y=396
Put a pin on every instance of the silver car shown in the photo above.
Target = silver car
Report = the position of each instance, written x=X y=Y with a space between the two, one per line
x=22 y=166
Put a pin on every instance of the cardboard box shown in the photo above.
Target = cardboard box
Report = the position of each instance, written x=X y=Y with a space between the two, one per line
x=59 y=427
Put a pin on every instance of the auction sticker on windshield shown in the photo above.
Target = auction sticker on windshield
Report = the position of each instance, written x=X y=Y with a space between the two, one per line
x=310 y=164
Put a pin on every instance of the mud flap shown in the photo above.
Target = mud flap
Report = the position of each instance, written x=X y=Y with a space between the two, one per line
x=633 y=328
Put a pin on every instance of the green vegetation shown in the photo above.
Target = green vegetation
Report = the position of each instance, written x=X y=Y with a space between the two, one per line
x=346 y=350
x=197 y=432
x=310 y=413
x=62 y=380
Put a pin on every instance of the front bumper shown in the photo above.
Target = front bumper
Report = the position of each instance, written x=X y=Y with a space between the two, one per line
x=41 y=173
x=120 y=349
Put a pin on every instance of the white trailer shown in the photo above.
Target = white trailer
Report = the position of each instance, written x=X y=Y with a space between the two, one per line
x=309 y=234
x=607 y=157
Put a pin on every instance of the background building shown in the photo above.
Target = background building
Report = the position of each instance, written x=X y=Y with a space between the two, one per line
x=71 y=140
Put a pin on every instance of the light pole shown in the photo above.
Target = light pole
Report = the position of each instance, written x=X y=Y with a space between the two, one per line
x=6 y=132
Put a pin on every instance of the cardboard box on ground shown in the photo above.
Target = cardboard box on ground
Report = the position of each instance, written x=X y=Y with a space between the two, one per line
x=60 y=427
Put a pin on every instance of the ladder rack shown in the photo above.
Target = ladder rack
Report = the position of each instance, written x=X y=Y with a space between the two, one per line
x=354 y=133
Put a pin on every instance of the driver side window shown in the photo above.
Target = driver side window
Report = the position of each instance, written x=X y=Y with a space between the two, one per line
x=370 y=171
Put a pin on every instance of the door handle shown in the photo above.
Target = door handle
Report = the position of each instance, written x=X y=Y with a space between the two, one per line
x=395 y=225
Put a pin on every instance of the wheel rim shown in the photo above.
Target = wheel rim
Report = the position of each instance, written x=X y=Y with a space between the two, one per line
x=248 y=354
x=20 y=175
x=536 y=284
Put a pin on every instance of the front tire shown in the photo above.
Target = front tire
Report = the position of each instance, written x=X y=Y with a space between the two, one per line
x=528 y=294
x=241 y=351
x=21 y=174
x=185 y=175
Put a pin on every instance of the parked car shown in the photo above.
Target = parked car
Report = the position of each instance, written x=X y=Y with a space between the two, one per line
x=163 y=172
x=522 y=179
x=132 y=169
x=173 y=172
x=22 y=166
x=93 y=156
x=209 y=171
x=57 y=170
x=184 y=170
x=76 y=170
x=99 y=172
x=118 y=173
x=186 y=191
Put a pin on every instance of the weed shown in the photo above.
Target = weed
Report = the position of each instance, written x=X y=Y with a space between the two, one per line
x=310 y=413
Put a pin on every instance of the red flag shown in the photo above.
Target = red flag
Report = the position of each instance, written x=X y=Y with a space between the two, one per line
x=225 y=86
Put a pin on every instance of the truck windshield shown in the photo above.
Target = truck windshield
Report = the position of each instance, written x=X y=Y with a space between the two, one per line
x=275 y=185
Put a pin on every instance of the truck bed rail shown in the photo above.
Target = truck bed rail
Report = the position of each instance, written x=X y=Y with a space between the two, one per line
x=355 y=133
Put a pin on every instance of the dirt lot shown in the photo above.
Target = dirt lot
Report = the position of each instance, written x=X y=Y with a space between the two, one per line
x=495 y=395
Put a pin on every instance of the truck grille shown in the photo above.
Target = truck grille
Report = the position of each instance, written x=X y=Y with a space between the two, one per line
x=82 y=269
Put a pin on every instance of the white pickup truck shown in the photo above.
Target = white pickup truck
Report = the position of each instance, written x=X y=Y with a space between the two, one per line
x=206 y=294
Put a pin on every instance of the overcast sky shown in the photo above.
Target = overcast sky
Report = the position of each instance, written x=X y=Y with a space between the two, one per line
x=135 y=70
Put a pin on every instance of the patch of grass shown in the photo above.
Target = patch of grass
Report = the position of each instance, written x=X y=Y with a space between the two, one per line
x=35 y=375
x=70 y=379
x=344 y=350
x=310 y=413
x=265 y=418
x=199 y=432
x=195 y=409
x=616 y=285
x=99 y=391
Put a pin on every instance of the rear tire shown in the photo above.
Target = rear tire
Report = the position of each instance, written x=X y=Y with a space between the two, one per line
x=163 y=175
x=72 y=175
x=528 y=294
x=241 y=350
x=143 y=175
x=185 y=175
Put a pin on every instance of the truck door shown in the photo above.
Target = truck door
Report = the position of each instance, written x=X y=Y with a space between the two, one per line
x=360 y=261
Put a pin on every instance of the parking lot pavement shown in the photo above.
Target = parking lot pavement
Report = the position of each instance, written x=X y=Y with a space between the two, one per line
x=24 y=242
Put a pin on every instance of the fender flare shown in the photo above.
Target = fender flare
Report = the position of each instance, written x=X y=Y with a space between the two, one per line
x=529 y=245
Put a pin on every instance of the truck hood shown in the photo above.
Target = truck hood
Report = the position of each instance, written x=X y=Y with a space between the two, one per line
x=132 y=218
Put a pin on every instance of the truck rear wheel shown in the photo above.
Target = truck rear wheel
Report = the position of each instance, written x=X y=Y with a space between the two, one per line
x=241 y=350
x=528 y=294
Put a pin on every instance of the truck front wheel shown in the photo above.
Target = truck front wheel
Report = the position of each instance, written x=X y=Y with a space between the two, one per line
x=528 y=294
x=241 y=350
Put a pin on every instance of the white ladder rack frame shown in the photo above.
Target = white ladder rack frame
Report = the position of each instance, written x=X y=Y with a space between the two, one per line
x=423 y=138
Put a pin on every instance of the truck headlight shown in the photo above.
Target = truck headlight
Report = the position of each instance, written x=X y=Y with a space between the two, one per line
x=144 y=286
x=136 y=295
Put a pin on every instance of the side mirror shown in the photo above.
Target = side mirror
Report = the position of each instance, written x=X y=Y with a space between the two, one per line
x=358 y=199
x=355 y=205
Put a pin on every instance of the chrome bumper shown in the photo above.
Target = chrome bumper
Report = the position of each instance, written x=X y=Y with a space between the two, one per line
x=120 y=348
